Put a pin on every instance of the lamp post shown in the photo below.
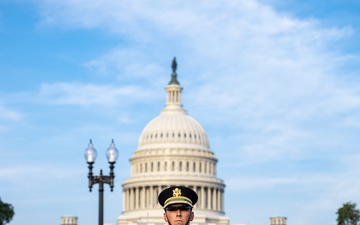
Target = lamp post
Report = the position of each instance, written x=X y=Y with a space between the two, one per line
x=90 y=156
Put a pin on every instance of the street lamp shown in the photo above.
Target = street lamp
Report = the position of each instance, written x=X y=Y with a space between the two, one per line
x=90 y=156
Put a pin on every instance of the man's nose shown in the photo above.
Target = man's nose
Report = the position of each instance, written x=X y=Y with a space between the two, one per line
x=178 y=212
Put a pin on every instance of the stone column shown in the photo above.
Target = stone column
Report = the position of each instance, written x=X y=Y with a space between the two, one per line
x=136 y=197
x=142 y=198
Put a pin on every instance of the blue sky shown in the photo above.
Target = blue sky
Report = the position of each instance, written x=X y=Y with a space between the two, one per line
x=274 y=83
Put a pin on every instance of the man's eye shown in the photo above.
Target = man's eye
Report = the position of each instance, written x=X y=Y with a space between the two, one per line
x=179 y=208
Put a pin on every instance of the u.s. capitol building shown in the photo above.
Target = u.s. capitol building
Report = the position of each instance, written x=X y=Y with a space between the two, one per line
x=173 y=149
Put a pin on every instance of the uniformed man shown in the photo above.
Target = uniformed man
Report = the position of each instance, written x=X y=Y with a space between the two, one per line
x=178 y=202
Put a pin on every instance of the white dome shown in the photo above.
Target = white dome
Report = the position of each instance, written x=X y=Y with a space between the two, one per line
x=173 y=127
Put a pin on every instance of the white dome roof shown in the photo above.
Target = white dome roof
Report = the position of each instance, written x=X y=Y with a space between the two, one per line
x=173 y=127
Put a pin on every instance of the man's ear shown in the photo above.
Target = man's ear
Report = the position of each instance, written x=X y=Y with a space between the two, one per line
x=191 y=216
x=165 y=218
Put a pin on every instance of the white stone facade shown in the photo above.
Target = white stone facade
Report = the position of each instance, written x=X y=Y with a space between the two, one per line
x=278 y=220
x=69 y=220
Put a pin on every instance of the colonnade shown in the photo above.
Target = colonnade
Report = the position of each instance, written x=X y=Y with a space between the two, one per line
x=144 y=197
x=278 y=220
x=173 y=95
x=206 y=167
x=69 y=220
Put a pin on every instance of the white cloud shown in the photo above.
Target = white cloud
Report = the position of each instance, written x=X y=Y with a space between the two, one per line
x=89 y=94
x=28 y=176
x=8 y=114
x=127 y=64
x=260 y=70
x=9 y=120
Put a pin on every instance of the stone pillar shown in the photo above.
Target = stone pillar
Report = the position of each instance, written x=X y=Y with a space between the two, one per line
x=137 y=198
x=202 y=198
x=152 y=196
x=131 y=198
x=142 y=197
x=209 y=198
x=222 y=200
x=213 y=202
x=218 y=207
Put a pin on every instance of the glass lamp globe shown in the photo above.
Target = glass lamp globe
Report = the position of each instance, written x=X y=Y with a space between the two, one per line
x=90 y=153
x=112 y=153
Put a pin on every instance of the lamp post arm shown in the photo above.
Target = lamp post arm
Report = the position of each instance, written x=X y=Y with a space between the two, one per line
x=101 y=179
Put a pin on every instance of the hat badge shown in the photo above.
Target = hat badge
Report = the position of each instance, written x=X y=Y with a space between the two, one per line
x=176 y=192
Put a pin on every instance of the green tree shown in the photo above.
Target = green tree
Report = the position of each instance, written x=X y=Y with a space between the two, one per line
x=6 y=212
x=348 y=214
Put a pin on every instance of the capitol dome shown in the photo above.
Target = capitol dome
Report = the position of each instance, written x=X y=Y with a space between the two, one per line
x=173 y=128
x=173 y=150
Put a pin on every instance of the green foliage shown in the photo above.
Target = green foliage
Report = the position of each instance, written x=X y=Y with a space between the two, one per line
x=6 y=212
x=348 y=214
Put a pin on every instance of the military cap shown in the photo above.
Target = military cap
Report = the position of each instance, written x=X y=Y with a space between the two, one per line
x=177 y=195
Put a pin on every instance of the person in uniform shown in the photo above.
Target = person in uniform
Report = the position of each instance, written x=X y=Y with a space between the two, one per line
x=178 y=202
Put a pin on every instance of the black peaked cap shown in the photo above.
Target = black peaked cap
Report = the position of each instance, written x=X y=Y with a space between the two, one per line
x=177 y=195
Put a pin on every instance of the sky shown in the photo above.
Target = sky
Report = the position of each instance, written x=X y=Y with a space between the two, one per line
x=275 y=84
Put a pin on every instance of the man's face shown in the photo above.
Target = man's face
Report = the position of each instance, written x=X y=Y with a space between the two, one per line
x=178 y=214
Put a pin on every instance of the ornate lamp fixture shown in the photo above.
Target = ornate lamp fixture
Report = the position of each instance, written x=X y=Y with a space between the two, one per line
x=90 y=157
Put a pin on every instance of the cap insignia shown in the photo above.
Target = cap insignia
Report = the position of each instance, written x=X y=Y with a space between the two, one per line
x=176 y=192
